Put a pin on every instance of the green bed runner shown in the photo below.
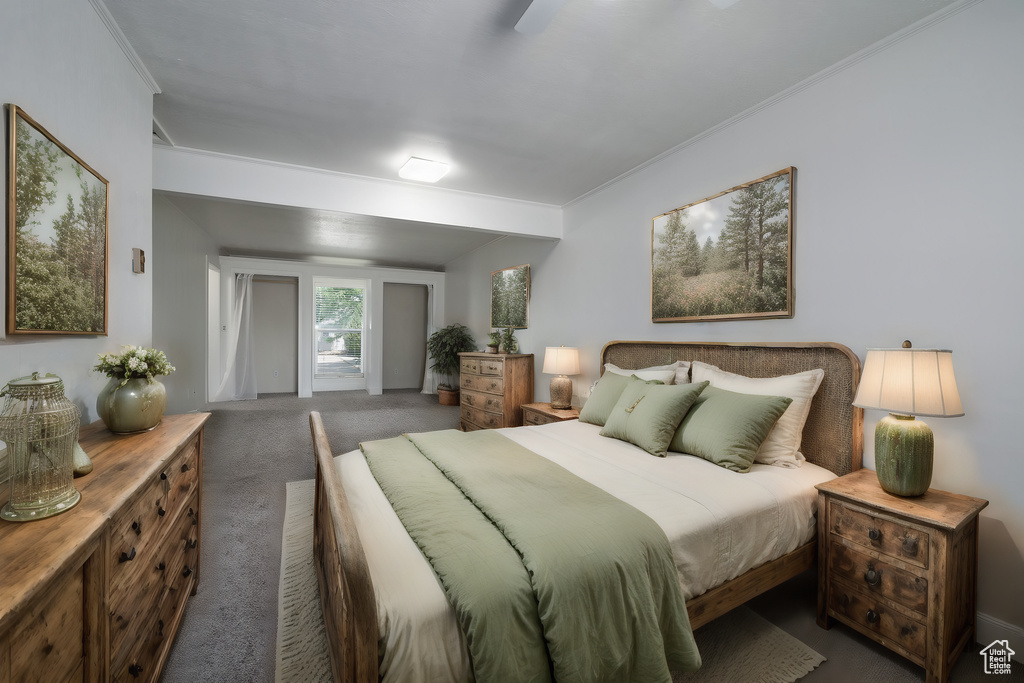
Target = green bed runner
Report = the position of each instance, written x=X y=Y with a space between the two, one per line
x=551 y=578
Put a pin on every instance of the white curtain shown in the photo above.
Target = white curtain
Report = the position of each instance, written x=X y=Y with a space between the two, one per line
x=239 y=380
x=429 y=378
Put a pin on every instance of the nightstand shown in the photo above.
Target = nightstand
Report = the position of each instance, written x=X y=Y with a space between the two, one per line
x=543 y=413
x=902 y=571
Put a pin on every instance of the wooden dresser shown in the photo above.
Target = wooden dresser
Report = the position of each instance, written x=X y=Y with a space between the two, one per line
x=493 y=387
x=97 y=593
x=902 y=571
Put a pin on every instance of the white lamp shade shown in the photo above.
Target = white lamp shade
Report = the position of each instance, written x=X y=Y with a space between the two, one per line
x=909 y=381
x=561 y=360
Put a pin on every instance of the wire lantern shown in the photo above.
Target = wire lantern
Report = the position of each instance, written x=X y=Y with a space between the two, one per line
x=40 y=426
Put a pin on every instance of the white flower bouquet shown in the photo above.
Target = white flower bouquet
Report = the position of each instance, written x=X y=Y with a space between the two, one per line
x=134 y=362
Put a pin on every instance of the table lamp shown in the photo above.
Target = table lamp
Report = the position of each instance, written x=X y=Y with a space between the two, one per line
x=561 y=361
x=907 y=382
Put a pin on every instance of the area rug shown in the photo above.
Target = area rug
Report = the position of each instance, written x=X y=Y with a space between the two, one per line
x=740 y=646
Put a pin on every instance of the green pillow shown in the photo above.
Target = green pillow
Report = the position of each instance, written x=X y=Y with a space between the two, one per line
x=603 y=397
x=647 y=415
x=727 y=428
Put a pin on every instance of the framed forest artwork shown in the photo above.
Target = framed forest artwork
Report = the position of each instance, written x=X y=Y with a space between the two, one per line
x=727 y=257
x=510 y=297
x=56 y=235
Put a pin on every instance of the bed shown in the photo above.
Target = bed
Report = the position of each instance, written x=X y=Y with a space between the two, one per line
x=366 y=635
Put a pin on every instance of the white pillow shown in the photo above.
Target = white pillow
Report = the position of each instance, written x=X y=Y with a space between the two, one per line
x=782 y=447
x=674 y=373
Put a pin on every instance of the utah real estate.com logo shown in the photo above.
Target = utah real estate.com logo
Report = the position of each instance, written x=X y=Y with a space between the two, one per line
x=997 y=657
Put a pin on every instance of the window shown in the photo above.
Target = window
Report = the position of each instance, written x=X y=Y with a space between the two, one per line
x=338 y=321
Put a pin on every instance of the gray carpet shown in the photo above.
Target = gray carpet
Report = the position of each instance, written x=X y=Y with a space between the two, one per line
x=253 y=448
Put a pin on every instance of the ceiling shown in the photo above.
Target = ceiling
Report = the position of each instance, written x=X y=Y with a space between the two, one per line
x=358 y=86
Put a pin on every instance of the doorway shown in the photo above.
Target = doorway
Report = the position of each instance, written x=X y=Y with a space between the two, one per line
x=405 y=335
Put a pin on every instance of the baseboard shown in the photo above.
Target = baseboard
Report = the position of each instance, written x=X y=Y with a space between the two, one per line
x=990 y=629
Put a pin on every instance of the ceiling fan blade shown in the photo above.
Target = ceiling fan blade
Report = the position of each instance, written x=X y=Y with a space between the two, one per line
x=538 y=15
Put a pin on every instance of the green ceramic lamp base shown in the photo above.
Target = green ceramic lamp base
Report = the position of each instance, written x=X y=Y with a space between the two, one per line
x=903 y=455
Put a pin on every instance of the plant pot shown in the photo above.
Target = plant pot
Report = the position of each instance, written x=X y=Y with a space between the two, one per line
x=448 y=397
x=138 y=406
x=492 y=349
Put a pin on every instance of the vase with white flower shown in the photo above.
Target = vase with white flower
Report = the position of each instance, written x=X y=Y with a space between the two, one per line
x=133 y=400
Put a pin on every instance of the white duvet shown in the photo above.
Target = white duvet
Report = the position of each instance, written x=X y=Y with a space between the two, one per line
x=720 y=524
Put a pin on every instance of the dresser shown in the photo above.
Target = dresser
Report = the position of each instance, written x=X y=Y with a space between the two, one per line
x=97 y=593
x=901 y=571
x=493 y=388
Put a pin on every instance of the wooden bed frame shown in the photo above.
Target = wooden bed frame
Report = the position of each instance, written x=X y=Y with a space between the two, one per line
x=833 y=439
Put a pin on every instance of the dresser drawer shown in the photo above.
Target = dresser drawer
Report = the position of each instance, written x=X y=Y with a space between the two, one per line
x=470 y=365
x=480 y=418
x=486 y=384
x=50 y=637
x=882 y=534
x=495 y=366
x=489 y=402
x=878 y=577
x=870 y=615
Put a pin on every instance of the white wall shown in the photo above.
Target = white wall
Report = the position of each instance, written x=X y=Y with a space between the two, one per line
x=181 y=251
x=405 y=335
x=906 y=227
x=68 y=73
x=275 y=319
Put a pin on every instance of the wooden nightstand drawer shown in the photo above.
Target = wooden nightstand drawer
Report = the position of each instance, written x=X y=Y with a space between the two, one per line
x=487 y=384
x=869 y=614
x=880 y=533
x=878 y=577
x=534 y=418
x=543 y=413
x=490 y=402
x=480 y=418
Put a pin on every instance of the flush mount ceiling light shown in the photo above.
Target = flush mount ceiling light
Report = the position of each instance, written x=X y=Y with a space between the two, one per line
x=423 y=170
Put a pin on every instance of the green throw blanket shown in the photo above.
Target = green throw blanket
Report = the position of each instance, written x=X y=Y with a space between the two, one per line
x=551 y=578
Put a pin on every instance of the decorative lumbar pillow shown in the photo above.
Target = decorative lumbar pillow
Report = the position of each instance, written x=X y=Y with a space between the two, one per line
x=647 y=415
x=727 y=428
x=782 y=447
x=669 y=374
x=603 y=397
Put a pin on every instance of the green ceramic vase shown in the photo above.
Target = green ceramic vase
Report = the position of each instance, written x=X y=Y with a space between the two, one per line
x=903 y=455
x=138 y=406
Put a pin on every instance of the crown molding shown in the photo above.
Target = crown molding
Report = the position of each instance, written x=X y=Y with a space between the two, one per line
x=126 y=47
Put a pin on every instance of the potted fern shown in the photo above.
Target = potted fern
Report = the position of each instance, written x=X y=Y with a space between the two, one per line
x=444 y=346
x=495 y=341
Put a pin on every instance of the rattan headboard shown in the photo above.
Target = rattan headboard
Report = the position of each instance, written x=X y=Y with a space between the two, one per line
x=834 y=433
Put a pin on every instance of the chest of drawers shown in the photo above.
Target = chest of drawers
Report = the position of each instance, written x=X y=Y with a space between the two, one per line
x=97 y=593
x=493 y=388
x=902 y=571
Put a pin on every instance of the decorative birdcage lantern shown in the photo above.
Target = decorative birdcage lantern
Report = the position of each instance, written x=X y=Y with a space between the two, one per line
x=40 y=426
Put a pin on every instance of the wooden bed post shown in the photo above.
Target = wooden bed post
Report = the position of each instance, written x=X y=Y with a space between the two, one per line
x=346 y=590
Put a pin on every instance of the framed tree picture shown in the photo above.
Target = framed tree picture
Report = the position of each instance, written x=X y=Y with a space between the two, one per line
x=727 y=257
x=56 y=235
x=510 y=297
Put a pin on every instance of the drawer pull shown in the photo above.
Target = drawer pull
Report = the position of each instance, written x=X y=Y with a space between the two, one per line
x=874 y=535
x=127 y=557
x=192 y=544
x=161 y=566
x=160 y=511
x=184 y=468
x=187 y=571
x=134 y=670
x=163 y=476
x=910 y=544
x=872 y=577
x=137 y=528
x=872 y=616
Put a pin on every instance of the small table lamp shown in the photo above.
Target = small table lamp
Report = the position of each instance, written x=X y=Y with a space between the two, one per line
x=561 y=361
x=907 y=382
